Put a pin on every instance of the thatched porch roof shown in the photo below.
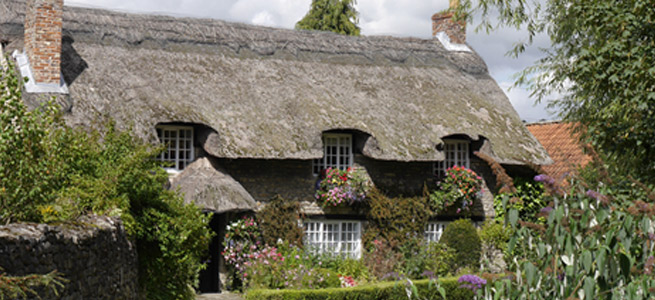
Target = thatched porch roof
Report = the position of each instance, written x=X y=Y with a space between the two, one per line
x=208 y=186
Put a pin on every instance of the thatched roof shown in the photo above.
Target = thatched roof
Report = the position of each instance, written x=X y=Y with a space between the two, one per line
x=208 y=186
x=270 y=93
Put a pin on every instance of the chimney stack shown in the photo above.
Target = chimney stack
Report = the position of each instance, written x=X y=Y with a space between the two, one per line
x=443 y=22
x=43 y=23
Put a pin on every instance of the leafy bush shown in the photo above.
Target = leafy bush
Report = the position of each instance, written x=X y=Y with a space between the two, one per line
x=50 y=172
x=596 y=242
x=462 y=236
x=459 y=188
x=426 y=260
x=527 y=199
x=381 y=260
x=278 y=220
x=420 y=289
x=394 y=220
x=495 y=235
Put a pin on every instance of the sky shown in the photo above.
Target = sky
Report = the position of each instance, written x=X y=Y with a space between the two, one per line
x=402 y=18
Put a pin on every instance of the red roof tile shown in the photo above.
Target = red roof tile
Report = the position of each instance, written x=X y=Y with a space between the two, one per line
x=562 y=146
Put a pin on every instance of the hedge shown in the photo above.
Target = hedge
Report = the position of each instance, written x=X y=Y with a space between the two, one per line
x=383 y=290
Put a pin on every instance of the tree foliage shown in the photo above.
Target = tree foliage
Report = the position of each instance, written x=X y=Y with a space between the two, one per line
x=337 y=16
x=50 y=172
x=602 y=61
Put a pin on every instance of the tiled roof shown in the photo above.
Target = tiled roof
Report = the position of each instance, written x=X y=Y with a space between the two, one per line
x=562 y=146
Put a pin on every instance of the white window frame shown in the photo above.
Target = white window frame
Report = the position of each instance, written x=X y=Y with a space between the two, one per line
x=342 y=159
x=434 y=230
x=175 y=146
x=456 y=153
x=341 y=240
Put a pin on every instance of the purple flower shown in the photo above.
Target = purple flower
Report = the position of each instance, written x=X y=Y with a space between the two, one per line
x=471 y=282
x=596 y=196
x=544 y=178
x=546 y=209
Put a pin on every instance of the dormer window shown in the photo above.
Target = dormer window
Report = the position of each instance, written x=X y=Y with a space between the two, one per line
x=456 y=153
x=179 y=146
x=338 y=152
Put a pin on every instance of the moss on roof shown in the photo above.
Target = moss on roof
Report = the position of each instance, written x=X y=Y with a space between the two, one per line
x=270 y=93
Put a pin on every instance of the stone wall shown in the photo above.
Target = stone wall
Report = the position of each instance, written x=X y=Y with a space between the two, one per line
x=92 y=253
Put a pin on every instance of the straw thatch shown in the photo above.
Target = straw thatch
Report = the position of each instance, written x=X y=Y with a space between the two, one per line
x=270 y=93
x=208 y=186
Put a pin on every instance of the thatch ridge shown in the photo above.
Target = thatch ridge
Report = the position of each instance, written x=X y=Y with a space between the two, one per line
x=269 y=93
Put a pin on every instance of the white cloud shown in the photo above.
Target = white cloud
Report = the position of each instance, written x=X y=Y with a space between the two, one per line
x=526 y=107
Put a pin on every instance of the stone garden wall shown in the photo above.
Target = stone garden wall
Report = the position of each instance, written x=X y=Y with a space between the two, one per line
x=92 y=253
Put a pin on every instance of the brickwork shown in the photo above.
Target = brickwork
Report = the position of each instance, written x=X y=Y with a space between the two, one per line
x=456 y=31
x=43 y=23
x=293 y=179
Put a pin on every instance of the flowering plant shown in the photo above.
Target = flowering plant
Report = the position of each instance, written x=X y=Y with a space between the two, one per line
x=342 y=187
x=242 y=244
x=459 y=186
x=347 y=281
x=243 y=229
x=471 y=282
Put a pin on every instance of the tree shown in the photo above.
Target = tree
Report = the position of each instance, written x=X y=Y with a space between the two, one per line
x=337 y=16
x=50 y=172
x=602 y=60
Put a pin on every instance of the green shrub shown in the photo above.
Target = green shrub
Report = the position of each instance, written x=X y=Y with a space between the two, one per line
x=462 y=236
x=278 y=220
x=379 y=291
x=50 y=172
x=393 y=220
x=425 y=260
x=495 y=234
x=528 y=199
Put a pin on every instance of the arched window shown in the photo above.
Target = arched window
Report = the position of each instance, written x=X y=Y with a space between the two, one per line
x=338 y=152
x=456 y=153
x=179 y=146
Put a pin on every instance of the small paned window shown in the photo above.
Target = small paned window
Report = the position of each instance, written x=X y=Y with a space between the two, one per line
x=179 y=146
x=334 y=237
x=338 y=153
x=434 y=230
x=456 y=154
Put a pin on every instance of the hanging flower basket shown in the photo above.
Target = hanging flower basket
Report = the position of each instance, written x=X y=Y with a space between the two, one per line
x=342 y=187
x=458 y=190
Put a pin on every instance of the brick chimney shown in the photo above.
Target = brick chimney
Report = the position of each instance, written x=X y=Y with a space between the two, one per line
x=443 y=22
x=43 y=22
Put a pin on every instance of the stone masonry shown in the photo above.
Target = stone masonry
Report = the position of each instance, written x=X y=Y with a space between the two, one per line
x=92 y=253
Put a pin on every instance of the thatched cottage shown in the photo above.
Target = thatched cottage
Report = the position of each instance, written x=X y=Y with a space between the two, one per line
x=250 y=112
